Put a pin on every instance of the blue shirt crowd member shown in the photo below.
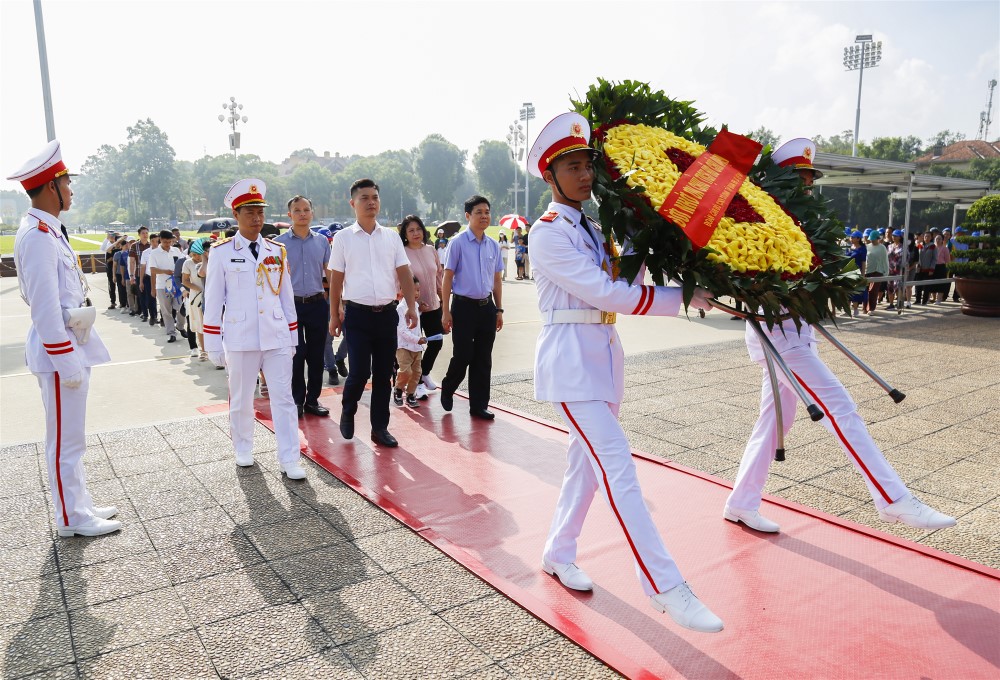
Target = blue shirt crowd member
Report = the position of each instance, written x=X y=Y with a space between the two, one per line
x=307 y=253
x=472 y=308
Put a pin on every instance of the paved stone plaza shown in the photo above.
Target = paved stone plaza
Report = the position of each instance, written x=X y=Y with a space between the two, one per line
x=229 y=572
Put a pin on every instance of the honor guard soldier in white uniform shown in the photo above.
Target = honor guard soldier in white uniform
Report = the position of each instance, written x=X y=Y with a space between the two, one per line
x=61 y=345
x=250 y=325
x=579 y=367
x=893 y=500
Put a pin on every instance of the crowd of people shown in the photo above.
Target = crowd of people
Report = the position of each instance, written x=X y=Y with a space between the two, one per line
x=879 y=252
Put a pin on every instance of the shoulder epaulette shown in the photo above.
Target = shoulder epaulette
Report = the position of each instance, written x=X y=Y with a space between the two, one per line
x=42 y=226
x=549 y=216
x=221 y=241
x=277 y=243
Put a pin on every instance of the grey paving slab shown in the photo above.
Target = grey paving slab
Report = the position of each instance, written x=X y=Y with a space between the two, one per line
x=337 y=566
x=263 y=639
x=428 y=648
x=175 y=656
x=442 y=584
x=113 y=579
x=394 y=550
x=215 y=555
x=498 y=627
x=127 y=621
x=330 y=664
x=223 y=596
x=556 y=660
x=36 y=645
x=30 y=599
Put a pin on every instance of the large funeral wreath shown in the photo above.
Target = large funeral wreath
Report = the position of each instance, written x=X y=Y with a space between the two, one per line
x=777 y=248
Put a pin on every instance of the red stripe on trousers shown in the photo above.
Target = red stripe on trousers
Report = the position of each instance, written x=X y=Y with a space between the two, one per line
x=649 y=303
x=642 y=300
x=611 y=499
x=840 y=434
x=59 y=484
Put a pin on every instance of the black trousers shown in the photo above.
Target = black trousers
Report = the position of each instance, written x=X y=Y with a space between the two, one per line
x=109 y=266
x=149 y=297
x=314 y=321
x=371 y=350
x=430 y=323
x=122 y=293
x=474 y=328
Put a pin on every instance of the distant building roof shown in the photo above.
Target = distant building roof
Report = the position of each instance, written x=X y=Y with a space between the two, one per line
x=961 y=152
x=334 y=163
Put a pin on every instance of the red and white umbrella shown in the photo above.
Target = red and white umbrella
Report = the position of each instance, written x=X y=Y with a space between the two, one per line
x=513 y=222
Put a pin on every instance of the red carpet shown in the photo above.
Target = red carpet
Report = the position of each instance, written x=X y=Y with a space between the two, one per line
x=824 y=599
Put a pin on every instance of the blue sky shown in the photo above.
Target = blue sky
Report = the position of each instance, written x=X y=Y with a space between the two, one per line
x=366 y=76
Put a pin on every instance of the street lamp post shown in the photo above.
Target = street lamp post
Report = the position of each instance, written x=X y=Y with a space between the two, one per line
x=234 y=118
x=527 y=115
x=515 y=139
x=864 y=53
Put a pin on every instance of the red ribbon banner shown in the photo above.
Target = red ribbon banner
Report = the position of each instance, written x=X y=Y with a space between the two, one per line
x=701 y=196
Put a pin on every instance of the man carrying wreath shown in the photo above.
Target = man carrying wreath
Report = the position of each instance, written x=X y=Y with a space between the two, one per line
x=893 y=500
x=579 y=367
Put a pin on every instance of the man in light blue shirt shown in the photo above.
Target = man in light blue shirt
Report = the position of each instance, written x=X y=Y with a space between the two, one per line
x=471 y=308
x=307 y=254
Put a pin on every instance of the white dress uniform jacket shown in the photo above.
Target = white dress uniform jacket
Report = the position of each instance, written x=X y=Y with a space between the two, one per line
x=583 y=362
x=51 y=281
x=256 y=318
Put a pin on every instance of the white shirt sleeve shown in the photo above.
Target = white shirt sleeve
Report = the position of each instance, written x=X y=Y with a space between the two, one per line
x=400 y=252
x=338 y=262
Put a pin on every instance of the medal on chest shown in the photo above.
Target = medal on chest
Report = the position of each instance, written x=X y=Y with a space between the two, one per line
x=271 y=268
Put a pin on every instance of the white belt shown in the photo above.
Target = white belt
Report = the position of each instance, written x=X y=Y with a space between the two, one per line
x=554 y=316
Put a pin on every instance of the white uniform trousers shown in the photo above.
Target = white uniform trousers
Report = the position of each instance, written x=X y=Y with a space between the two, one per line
x=65 y=444
x=600 y=458
x=841 y=419
x=243 y=367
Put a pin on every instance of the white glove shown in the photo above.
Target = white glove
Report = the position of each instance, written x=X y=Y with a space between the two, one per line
x=80 y=321
x=218 y=358
x=700 y=299
x=71 y=381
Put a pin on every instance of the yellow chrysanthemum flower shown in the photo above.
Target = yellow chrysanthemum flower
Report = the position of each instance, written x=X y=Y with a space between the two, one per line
x=777 y=244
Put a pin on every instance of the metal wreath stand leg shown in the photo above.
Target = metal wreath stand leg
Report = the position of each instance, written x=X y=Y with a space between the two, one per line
x=773 y=358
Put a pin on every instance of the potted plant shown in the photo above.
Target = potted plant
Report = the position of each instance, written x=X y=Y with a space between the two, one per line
x=977 y=270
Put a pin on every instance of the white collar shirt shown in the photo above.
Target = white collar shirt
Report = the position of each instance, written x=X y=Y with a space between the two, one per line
x=368 y=262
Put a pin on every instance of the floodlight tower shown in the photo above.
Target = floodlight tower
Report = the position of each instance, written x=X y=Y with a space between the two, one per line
x=516 y=139
x=864 y=53
x=234 y=118
x=986 y=117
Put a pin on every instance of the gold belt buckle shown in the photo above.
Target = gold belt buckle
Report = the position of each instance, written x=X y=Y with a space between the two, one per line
x=609 y=317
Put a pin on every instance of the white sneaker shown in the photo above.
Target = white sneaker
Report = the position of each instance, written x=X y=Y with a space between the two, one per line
x=908 y=305
x=106 y=512
x=914 y=513
x=293 y=470
x=421 y=392
x=244 y=459
x=429 y=383
x=752 y=518
x=570 y=575
x=194 y=353
x=686 y=609
x=95 y=526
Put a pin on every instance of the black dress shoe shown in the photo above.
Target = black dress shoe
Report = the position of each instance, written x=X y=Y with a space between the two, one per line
x=301 y=409
x=384 y=438
x=483 y=413
x=317 y=410
x=334 y=378
x=342 y=368
x=347 y=425
x=447 y=400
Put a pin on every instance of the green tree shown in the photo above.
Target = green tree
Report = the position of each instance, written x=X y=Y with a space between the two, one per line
x=148 y=171
x=842 y=143
x=495 y=172
x=101 y=179
x=314 y=181
x=440 y=167
x=765 y=136
x=986 y=169
x=106 y=212
x=944 y=138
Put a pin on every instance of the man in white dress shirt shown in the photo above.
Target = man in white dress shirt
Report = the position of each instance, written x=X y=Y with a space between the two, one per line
x=367 y=266
x=579 y=367
x=250 y=325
